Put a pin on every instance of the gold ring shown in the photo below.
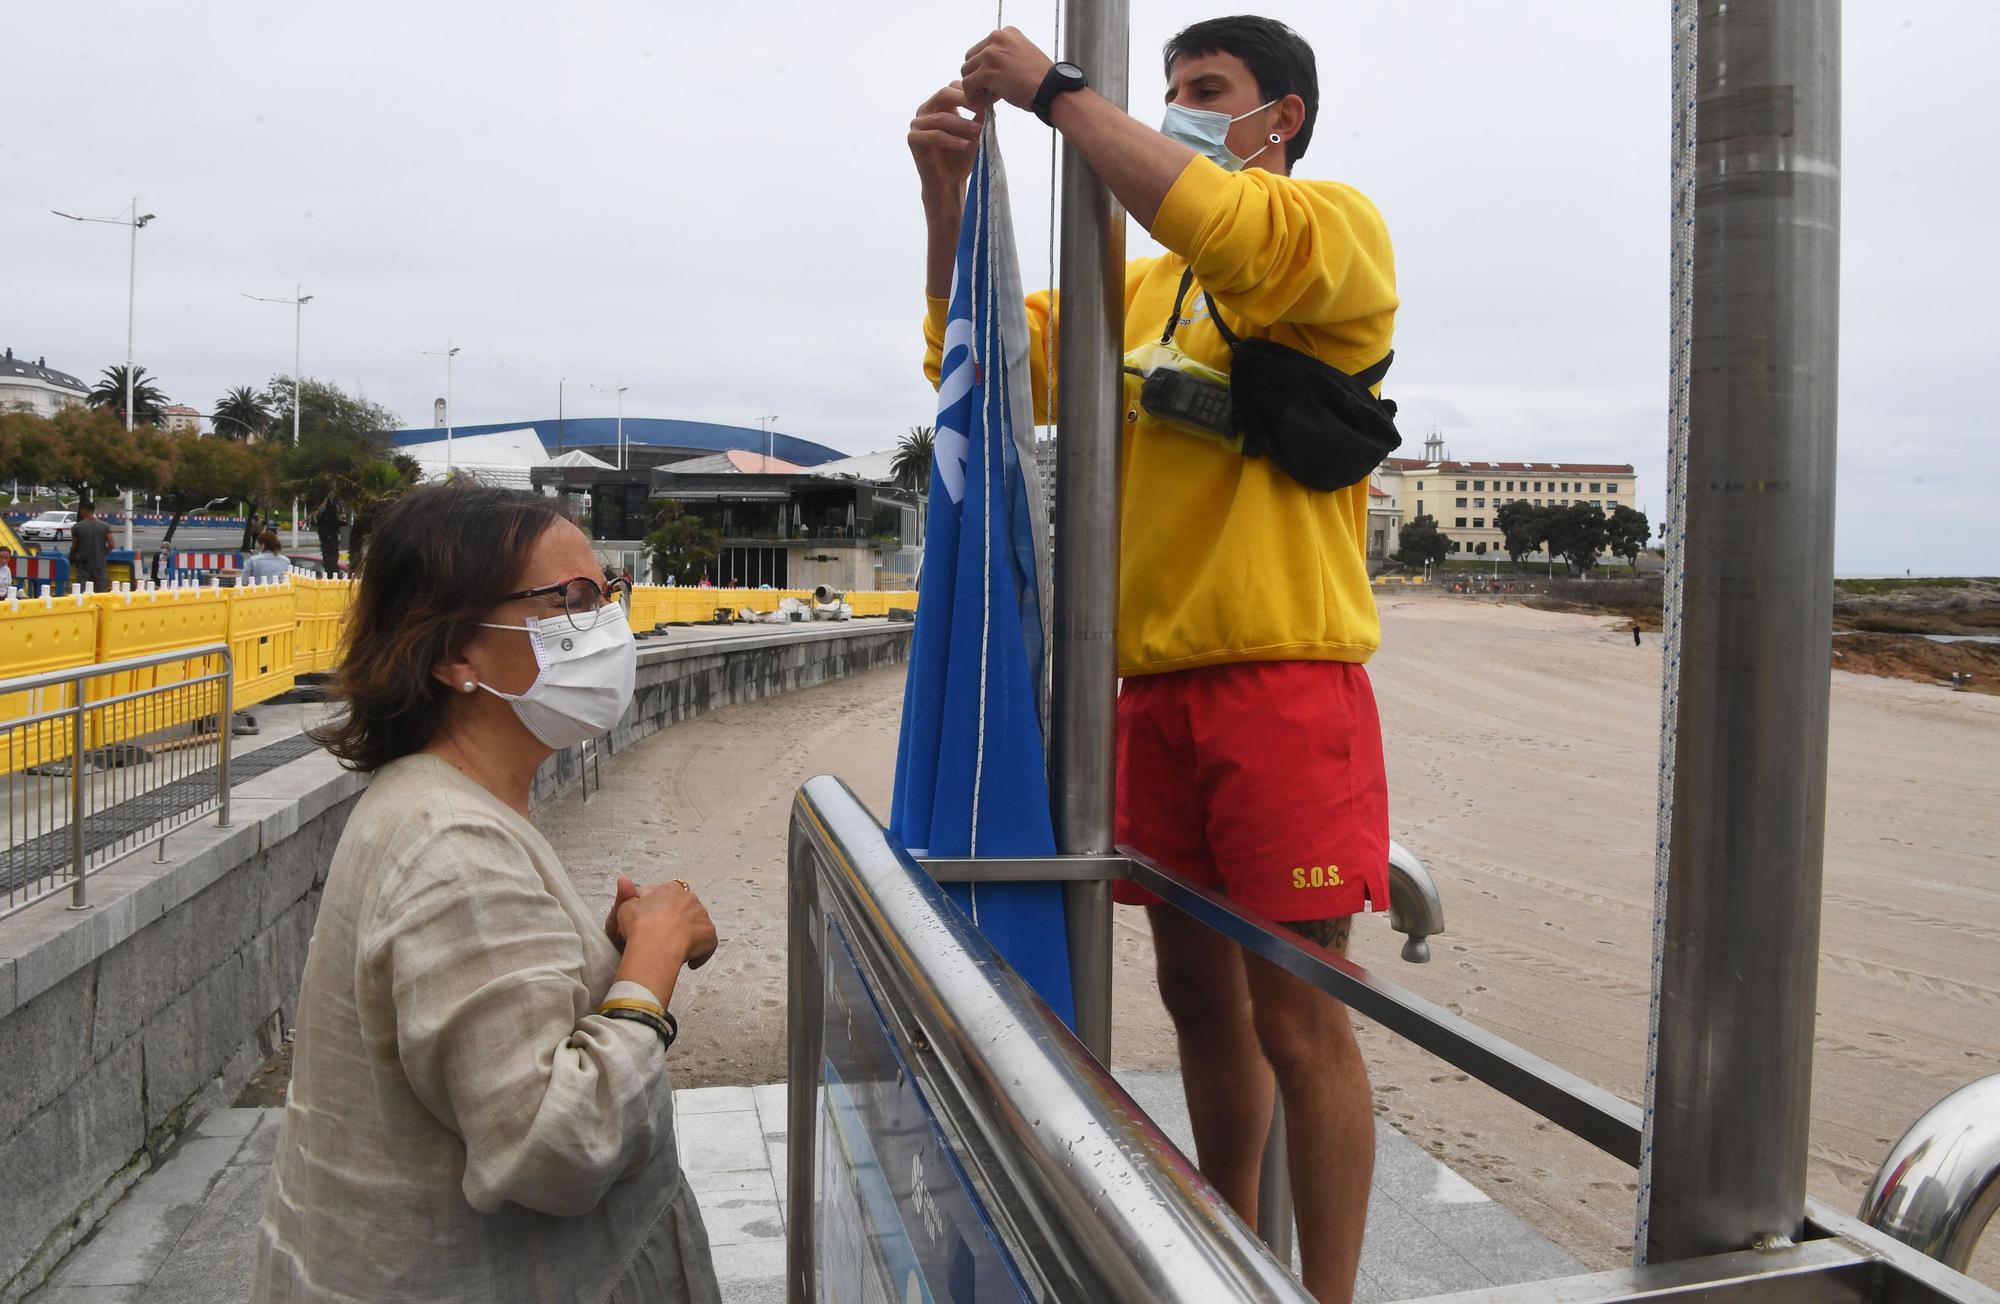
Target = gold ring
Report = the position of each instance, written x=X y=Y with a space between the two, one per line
x=683 y=885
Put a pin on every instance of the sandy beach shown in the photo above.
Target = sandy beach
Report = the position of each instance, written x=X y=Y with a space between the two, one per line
x=1523 y=749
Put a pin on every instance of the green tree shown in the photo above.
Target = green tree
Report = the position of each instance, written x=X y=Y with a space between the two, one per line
x=1629 y=530
x=92 y=452
x=1421 y=541
x=340 y=438
x=242 y=414
x=147 y=400
x=1576 y=534
x=30 y=451
x=1521 y=523
x=911 y=468
x=197 y=471
x=381 y=484
x=682 y=544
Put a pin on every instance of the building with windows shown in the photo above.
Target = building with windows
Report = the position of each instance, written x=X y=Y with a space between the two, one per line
x=37 y=387
x=180 y=419
x=1465 y=497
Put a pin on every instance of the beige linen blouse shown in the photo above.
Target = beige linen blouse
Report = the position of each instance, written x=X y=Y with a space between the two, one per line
x=462 y=1126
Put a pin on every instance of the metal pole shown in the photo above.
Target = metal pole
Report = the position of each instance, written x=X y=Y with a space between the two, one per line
x=805 y=1045
x=131 y=317
x=450 y=416
x=332 y=564
x=77 y=898
x=1740 y=964
x=1274 y=1189
x=224 y=722
x=1089 y=413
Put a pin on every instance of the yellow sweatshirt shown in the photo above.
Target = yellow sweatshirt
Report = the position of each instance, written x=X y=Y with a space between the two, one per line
x=1222 y=557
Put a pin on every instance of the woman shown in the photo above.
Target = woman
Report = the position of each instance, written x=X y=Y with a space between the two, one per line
x=270 y=562
x=480 y=1105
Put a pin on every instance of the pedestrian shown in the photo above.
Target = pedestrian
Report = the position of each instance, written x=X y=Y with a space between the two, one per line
x=270 y=561
x=90 y=549
x=6 y=570
x=1635 y=633
x=1249 y=747
x=481 y=1105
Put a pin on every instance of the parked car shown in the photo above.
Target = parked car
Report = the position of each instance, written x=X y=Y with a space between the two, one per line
x=49 y=527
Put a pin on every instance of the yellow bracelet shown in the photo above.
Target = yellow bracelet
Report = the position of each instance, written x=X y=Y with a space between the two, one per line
x=653 y=1008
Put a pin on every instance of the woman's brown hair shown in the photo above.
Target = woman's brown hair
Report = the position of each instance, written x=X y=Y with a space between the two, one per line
x=439 y=559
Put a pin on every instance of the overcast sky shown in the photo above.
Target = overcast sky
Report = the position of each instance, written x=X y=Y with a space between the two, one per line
x=714 y=205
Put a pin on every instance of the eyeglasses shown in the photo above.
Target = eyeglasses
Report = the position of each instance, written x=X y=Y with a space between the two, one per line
x=583 y=597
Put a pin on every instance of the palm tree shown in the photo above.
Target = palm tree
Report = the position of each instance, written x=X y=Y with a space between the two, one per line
x=241 y=414
x=147 y=400
x=911 y=468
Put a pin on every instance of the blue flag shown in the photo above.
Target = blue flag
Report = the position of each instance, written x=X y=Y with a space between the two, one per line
x=971 y=778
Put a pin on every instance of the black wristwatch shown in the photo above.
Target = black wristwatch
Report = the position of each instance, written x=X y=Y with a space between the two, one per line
x=1062 y=79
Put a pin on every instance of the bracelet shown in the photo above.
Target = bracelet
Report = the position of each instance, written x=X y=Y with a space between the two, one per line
x=653 y=1008
x=663 y=1024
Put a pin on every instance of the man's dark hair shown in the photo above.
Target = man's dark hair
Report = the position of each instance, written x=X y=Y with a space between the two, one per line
x=1276 y=56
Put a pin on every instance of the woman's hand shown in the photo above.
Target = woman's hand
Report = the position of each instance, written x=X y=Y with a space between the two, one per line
x=664 y=928
x=626 y=890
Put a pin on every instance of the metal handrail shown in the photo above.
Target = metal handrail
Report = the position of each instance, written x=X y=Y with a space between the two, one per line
x=1126 y=1216
x=1940 y=1186
x=46 y=812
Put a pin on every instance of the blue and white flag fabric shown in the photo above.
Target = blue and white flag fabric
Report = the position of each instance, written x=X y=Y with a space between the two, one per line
x=971 y=778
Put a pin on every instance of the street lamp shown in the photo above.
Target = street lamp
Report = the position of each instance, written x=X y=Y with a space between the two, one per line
x=449 y=352
x=135 y=221
x=299 y=300
x=621 y=420
x=772 y=420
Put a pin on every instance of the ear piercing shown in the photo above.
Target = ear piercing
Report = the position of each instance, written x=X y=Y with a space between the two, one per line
x=1275 y=138
x=467 y=686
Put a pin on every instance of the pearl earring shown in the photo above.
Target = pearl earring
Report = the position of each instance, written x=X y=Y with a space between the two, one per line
x=467 y=686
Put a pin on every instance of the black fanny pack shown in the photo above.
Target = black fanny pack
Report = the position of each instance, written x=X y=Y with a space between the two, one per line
x=1317 y=424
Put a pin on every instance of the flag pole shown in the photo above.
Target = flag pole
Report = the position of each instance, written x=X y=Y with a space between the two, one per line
x=1085 y=678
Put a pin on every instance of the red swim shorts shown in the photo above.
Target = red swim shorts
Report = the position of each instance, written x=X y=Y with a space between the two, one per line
x=1262 y=779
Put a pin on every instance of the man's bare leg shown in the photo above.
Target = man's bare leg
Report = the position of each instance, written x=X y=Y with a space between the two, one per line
x=1329 y=1112
x=1223 y=1069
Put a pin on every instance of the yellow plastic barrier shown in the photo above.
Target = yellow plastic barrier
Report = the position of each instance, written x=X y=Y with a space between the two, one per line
x=263 y=623
x=39 y=635
x=654 y=604
x=322 y=603
x=139 y=624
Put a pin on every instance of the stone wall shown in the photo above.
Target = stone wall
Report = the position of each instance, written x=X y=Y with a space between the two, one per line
x=122 y=1023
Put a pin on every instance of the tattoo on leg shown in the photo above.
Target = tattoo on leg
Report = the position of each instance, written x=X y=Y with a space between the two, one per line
x=1333 y=934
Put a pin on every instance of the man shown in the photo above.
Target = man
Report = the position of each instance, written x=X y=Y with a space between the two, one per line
x=90 y=549
x=6 y=569
x=1250 y=754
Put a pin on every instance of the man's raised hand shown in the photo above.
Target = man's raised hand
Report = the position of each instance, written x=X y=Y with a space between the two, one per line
x=1005 y=66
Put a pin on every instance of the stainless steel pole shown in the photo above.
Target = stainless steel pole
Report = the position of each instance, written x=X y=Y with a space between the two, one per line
x=1740 y=965
x=1089 y=420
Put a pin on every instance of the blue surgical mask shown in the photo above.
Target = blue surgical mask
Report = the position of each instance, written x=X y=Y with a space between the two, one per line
x=1206 y=132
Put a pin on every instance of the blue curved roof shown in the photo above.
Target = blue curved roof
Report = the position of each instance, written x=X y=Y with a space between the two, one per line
x=653 y=432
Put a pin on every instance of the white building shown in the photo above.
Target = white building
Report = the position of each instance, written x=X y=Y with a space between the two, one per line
x=1464 y=498
x=36 y=387
x=180 y=419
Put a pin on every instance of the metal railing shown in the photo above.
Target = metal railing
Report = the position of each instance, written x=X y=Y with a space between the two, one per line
x=1940 y=1185
x=104 y=759
x=1092 y=1200
x=1097 y=1203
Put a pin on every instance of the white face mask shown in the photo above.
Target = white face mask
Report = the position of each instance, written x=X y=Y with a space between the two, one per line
x=1206 y=131
x=585 y=678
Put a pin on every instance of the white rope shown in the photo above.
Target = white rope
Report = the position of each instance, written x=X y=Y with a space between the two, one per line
x=1686 y=31
x=983 y=360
